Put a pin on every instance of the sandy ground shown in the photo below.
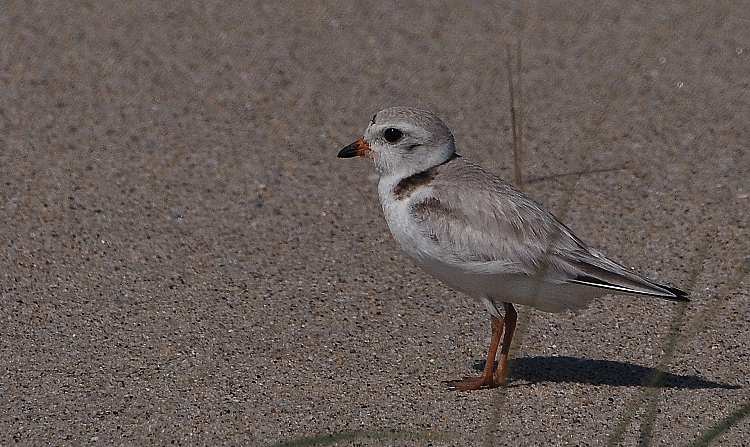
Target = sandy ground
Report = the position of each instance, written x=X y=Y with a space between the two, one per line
x=184 y=260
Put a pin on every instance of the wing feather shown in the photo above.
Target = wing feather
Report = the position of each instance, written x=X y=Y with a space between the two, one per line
x=491 y=227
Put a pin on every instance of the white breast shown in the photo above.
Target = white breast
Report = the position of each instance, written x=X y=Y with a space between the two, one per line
x=404 y=227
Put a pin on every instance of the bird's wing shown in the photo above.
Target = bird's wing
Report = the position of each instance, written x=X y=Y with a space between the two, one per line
x=484 y=225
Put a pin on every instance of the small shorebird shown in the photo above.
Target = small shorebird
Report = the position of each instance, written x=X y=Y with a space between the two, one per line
x=480 y=235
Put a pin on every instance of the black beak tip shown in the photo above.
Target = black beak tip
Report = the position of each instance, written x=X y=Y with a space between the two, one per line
x=348 y=152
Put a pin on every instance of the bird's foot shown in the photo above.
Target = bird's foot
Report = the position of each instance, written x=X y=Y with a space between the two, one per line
x=473 y=383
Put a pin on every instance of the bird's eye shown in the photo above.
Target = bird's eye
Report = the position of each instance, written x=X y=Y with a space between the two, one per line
x=392 y=135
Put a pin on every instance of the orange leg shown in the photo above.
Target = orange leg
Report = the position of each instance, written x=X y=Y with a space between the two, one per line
x=490 y=377
x=486 y=379
x=511 y=316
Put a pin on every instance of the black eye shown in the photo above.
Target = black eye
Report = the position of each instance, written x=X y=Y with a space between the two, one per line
x=392 y=135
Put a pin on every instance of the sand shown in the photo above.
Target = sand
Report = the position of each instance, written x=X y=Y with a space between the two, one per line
x=184 y=260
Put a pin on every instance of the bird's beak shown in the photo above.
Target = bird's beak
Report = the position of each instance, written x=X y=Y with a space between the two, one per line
x=359 y=147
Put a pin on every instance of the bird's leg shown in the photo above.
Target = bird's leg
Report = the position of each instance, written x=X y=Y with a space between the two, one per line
x=486 y=379
x=510 y=326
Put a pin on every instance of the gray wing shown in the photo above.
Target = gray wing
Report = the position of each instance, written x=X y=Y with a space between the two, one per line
x=484 y=225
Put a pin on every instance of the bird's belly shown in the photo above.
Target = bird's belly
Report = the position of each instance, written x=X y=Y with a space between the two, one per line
x=492 y=280
x=515 y=288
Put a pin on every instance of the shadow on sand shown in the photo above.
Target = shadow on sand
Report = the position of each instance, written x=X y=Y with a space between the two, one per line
x=600 y=372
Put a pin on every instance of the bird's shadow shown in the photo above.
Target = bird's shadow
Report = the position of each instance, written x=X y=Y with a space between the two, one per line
x=601 y=372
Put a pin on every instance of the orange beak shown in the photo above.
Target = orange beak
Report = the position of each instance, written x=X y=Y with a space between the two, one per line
x=359 y=147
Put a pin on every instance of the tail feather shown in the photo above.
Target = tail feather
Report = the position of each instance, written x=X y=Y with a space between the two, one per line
x=616 y=278
x=649 y=288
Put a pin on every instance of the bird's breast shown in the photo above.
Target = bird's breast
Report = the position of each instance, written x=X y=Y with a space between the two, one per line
x=404 y=226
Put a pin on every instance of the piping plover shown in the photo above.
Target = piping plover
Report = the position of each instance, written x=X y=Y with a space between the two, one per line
x=480 y=235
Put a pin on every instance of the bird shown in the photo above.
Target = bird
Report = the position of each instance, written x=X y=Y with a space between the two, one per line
x=482 y=236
